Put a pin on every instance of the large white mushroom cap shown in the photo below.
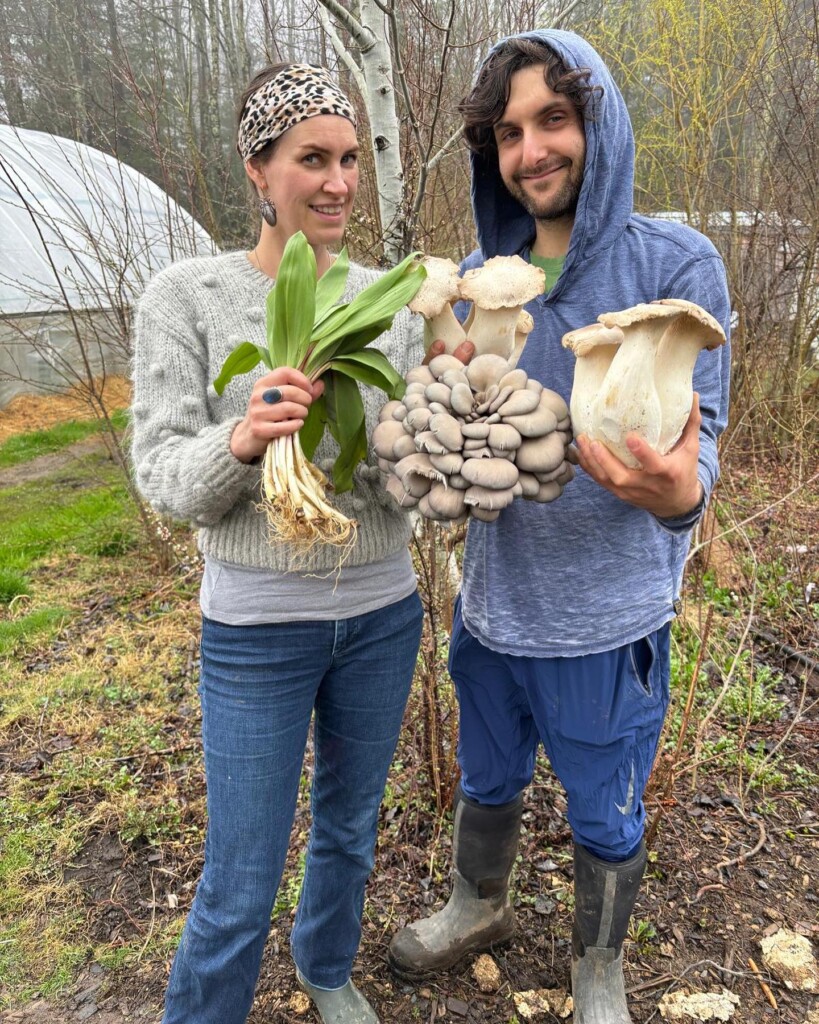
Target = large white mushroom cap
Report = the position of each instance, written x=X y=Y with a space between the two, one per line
x=707 y=327
x=439 y=288
x=503 y=282
x=640 y=313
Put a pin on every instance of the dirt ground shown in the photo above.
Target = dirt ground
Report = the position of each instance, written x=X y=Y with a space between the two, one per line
x=707 y=920
x=45 y=465
x=721 y=877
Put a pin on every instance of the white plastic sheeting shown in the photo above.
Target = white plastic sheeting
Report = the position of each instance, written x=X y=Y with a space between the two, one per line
x=79 y=229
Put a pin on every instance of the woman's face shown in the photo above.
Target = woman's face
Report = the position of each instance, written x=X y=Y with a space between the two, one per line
x=312 y=178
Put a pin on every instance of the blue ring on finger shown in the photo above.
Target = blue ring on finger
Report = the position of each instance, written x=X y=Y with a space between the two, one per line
x=272 y=396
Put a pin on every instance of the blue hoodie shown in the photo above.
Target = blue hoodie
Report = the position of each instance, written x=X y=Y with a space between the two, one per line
x=588 y=572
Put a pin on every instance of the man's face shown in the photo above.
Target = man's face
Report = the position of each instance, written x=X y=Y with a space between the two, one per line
x=541 y=147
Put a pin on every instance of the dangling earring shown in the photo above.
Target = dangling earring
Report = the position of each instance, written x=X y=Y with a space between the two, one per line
x=267 y=209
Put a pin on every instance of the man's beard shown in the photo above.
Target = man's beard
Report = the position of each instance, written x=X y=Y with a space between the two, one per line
x=554 y=206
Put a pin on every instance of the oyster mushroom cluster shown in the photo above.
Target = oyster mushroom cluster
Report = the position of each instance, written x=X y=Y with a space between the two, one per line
x=497 y=322
x=634 y=373
x=468 y=440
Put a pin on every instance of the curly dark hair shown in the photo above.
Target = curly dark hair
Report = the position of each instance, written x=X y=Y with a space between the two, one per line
x=485 y=104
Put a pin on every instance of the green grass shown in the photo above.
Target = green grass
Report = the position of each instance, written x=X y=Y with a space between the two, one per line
x=36 y=626
x=83 y=508
x=12 y=585
x=24 y=447
x=62 y=538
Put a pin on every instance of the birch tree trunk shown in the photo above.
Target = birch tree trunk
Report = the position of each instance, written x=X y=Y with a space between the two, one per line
x=377 y=66
x=212 y=144
x=373 y=72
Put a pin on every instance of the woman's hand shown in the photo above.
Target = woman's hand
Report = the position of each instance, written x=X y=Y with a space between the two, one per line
x=667 y=485
x=263 y=422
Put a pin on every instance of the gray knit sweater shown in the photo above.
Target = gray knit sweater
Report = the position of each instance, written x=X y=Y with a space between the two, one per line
x=189 y=319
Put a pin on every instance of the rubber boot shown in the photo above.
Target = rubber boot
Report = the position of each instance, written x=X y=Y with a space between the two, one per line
x=478 y=914
x=604 y=896
x=344 y=1005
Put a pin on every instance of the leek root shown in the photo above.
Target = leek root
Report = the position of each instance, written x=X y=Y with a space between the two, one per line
x=294 y=500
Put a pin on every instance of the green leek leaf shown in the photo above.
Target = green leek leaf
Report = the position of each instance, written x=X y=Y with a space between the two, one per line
x=347 y=423
x=369 y=306
x=373 y=368
x=353 y=452
x=331 y=285
x=383 y=286
x=276 y=340
x=324 y=352
x=245 y=357
x=313 y=429
x=295 y=304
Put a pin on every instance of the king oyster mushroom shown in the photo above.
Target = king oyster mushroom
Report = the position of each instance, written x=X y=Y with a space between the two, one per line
x=433 y=301
x=628 y=402
x=498 y=291
x=634 y=373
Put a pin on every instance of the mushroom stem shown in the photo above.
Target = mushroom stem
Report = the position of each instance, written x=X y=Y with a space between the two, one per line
x=493 y=330
x=444 y=327
x=687 y=335
x=628 y=402
x=594 y=347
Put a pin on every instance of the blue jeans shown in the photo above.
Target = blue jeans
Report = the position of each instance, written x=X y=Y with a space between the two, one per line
x=259 y=687
x=599 y=718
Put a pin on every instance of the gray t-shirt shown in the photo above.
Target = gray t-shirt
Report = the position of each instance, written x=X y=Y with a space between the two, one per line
x=238 y=595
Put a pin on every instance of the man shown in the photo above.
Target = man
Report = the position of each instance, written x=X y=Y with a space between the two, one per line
x=562 y=631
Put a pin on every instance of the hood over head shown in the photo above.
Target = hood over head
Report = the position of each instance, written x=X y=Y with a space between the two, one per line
x=504 y=228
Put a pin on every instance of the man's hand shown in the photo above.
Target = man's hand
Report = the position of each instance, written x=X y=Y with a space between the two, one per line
x=465 y=351
x=667 y=485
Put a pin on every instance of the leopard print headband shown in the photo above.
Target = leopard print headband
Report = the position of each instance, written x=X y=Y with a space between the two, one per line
x=298 y=92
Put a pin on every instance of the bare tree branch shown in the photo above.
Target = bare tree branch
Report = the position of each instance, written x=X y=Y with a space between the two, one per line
x=343 y=53
x=364 y=38
x=561 y=16
x=453 y=138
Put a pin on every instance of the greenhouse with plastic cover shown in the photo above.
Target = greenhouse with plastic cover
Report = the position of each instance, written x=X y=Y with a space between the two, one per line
x=81 y=234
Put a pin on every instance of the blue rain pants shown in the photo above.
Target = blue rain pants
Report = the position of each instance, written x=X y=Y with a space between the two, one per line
x=599 y=718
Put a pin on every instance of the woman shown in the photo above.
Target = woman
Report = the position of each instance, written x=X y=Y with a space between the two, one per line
x=277 y=645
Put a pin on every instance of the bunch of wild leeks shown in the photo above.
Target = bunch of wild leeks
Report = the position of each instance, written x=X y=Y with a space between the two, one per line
x=308 y=329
